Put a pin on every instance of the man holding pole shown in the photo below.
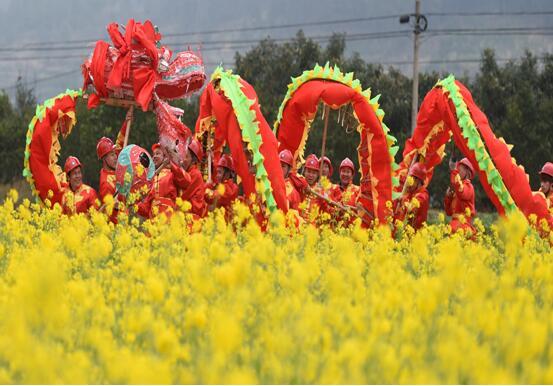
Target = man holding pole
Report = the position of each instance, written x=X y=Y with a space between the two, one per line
x=346 y=191
x=107 y=152
x=459 y=198
x=168 y=178
x=223 y=192
x=193 y=191
x=286 y=163
x=413 y=205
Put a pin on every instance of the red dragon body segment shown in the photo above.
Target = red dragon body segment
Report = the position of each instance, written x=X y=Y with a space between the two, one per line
x=335 y=90
x=229 y=107
x=56 y=116
x=449 y=110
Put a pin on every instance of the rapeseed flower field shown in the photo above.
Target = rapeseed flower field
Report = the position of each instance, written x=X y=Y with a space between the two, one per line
x=85 y=301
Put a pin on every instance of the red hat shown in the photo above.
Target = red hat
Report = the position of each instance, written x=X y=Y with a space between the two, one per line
x=226 y=162
x=155 y=146
x=312 y=163
x=418 y=170
x=195 y=147
x=347 y=163
x=547 y=169
x=326 y=160
x=465 y=161
x=286 y=157
x=104 y=146
x=71 y=163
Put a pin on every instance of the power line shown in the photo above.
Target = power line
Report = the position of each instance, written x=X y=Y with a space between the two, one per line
x=244 y=29
x=295 y=25
x=226 y=44
x=446 y=61
x=55 y=76
x=303 y=25
x=354 y=37
x=491 y=13
x=219 y=42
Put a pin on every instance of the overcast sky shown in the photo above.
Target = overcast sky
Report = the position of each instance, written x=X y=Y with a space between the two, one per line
x=34 y=31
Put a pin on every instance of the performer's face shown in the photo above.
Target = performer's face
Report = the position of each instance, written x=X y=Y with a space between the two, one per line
x=546 y=185
x=285 y=169
x=221 y=175
x=110 y=160
x=415 y=185
x=75 y=178
x=311 y=176
x=346 y=175
x=159 y=157
x=464 y=172
x=187 y=161
x=326 y=170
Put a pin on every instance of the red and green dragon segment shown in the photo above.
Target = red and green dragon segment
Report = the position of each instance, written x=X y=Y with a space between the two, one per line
x=54 y=117
x=448 y=110
x=376 y=148
x=229 y=107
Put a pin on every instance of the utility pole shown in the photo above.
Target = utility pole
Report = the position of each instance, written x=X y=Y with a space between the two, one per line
x=415 y=93
x=420 y=23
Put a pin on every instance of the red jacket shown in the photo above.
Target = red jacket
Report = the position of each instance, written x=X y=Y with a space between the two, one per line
x=460 y=202
x=107 y=183
x=345 y=196
x=161 y=197
x=107 y=177
x=414 y=208
x=79 y=201
x=292 y=194
x=214 y=198
x=194 y=192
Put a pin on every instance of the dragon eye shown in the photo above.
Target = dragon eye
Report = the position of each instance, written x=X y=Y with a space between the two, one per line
x=144 y=160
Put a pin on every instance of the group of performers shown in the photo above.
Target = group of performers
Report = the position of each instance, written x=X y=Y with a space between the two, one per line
x=310 y=194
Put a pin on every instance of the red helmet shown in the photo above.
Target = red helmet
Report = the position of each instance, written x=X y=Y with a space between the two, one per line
x=286 y=157
x=547 y=169
x=104 y=146
x=465 y=161
x=326 y=160
x=71 y=163
x=418 y=170
x=196 y=148
x=347 y=163
x=226 y=162
x=312 y=163
x=156 y=146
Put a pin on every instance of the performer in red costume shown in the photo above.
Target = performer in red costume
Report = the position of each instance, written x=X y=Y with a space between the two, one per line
x=286 y=162
x=169 y=177
x=546 y=183
x=77 y=197
x=413 y=207
x=194 y=191
x=107 y=152
x=346 y=191
x=223 y=191
x=459 y=197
